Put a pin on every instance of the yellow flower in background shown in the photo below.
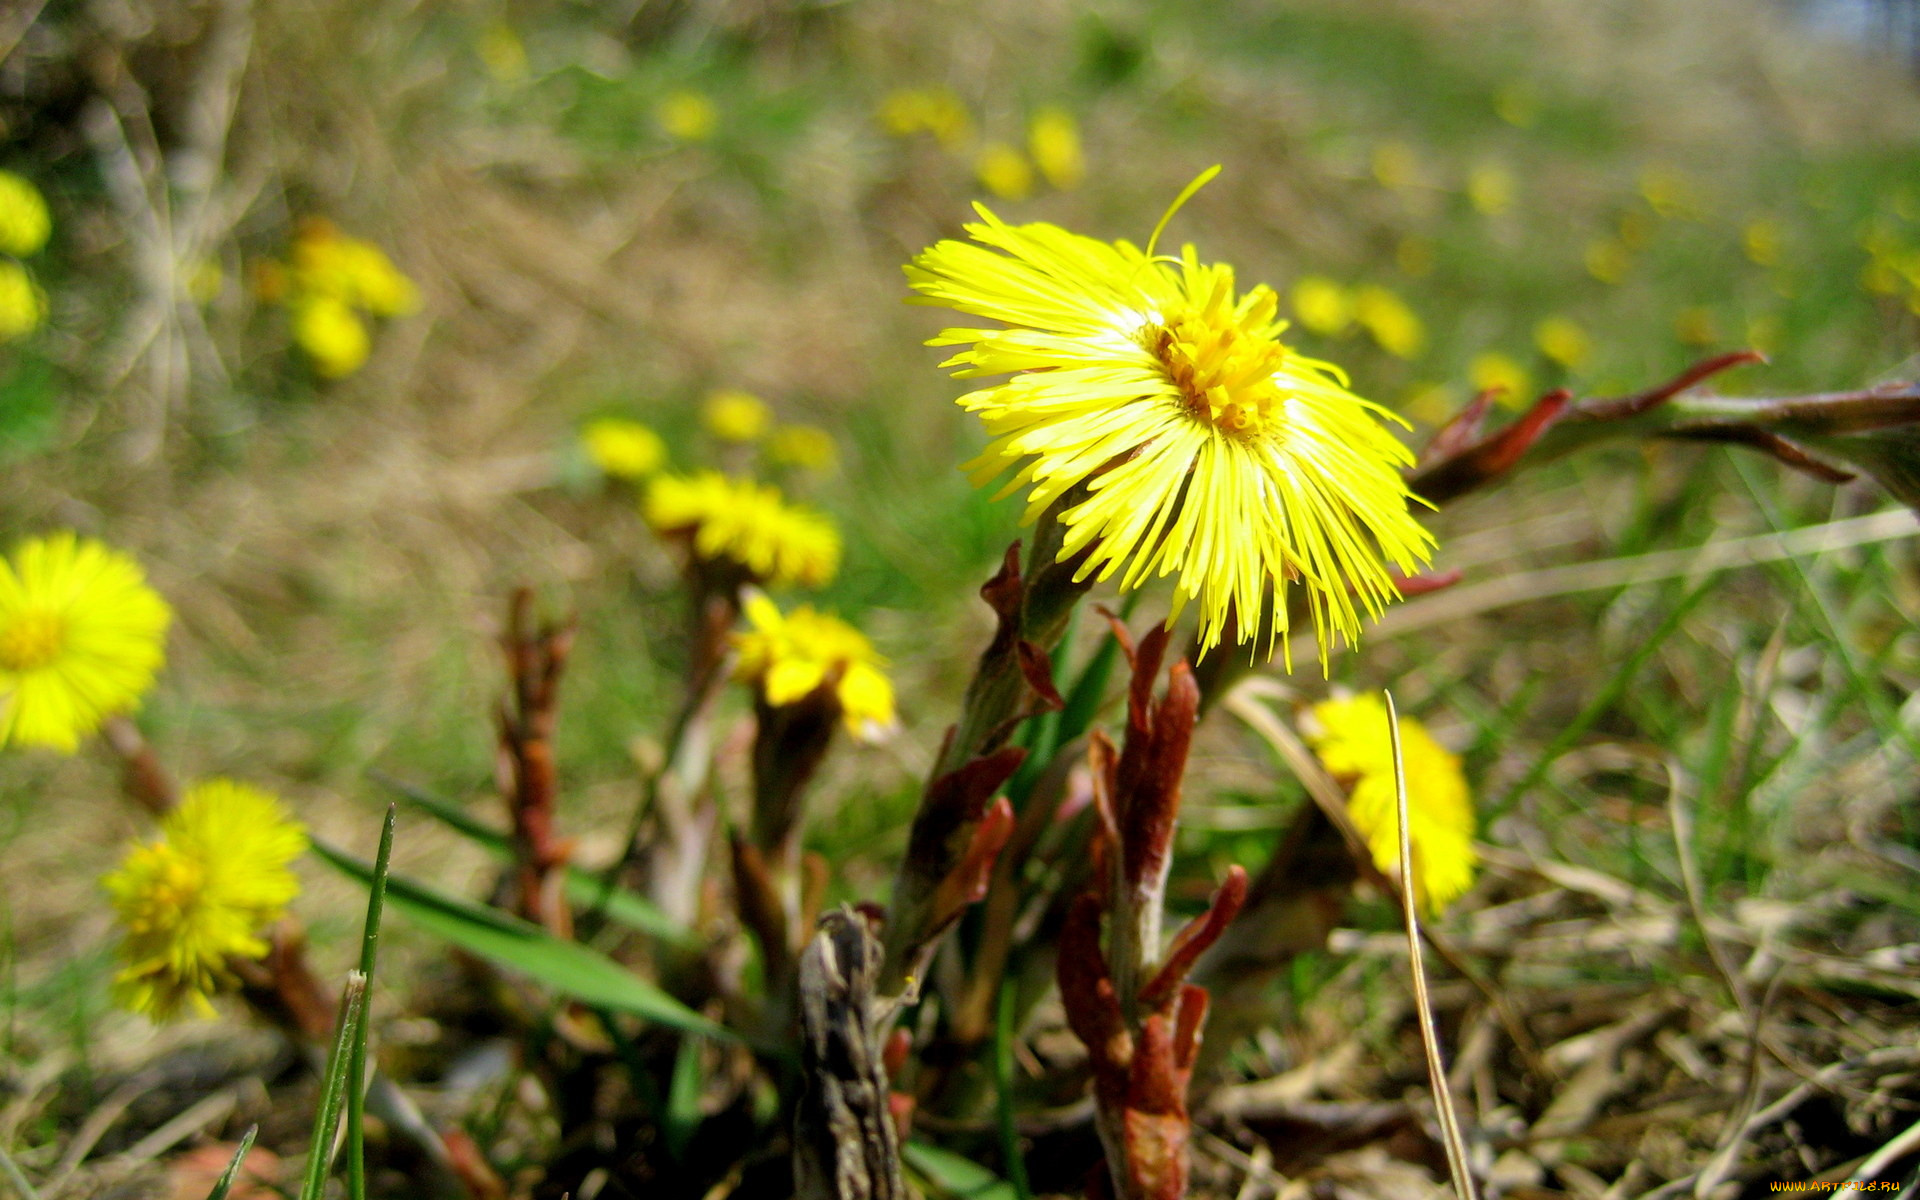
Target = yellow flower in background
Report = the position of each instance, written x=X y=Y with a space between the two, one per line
x=1394 y=166
x=1608 y=260
x=1053 y=138
x=907 y=111
x=332 y=335
x=746 y=523
x=1432 y=403
x=1696 y=326
x=201 y=895
x=622 y=448
x=25 y=223
x=1563 y=341
x=502 y=53
x=1490 y=189
x=687 y=116
x=1210 y=450
x=1353 y=742
x=1761 y=239
x=789 y=657
x=1495 y=371
x=354 y=272
x=736 y=416
x=1004 y=171
x=1321 y=305
x=1387 y=319
x=205 y=281
x=1669 y=193
x=23 y=306
x=1517 y=104
x=807 y=447
x=81 y=637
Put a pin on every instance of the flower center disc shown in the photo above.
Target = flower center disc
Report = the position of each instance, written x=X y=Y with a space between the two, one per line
x=32 y=640
x=1224 y=372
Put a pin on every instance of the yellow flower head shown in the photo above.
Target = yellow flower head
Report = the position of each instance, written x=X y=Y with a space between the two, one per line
x=25 y=222
x=1211 y=451
x=1353 y=743
x=687 y=116
x=1004 y=171
x=746 y=523
x=334 y=338
x=937 y=111
x=1562 y=340
x=1322 y=305
x=200 y=895
x=1608 y=260
x=1490 y=189
x=788 y=657
x=1053 y=139
x=81 y=637
x=623 y=449
x=736 y=416
x=1761 y=240
x=1494 y=371
x=1387 y=319
x=1394 y=166
x=327 y=264
x=808 y=447
x=23 y=306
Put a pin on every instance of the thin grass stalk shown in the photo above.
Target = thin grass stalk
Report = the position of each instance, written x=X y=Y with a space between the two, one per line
x=1003 y=1031
x=15 y=1179
x=326 y=1124
x=225 y=1183
x=357 y=1059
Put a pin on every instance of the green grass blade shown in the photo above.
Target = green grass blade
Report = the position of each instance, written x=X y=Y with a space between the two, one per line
x=225 y=1182
x=951 y=1175
x=1003 y=1031
x=583 y=888
x=683 y=1098
x=567 y=968
x=357 y=1058
x=326 y=1123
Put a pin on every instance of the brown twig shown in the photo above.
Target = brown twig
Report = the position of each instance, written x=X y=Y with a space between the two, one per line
x=536 y=658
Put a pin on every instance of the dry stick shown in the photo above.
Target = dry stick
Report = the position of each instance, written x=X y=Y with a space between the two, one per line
x=1423 y=1003
x=1903 y=1144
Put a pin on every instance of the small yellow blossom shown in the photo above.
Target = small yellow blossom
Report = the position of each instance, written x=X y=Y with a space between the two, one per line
x=687 y=116
x=1563 y=341
x=1494 y=371
x=1053 y=139
x=25 y=223
x=23 y=306
x=1432 y=403
x=1004 y=171
x=736 y=416
x=789 y=657
x=502 y=53
x=1414 y=256
x=1517 y=104
x=81 y=637
x=623 y=449
x=807 y=447
x=1608 y=260
x=747 y=524
x=1321 y=305
x=201 y=895
x=1696 y=326
x=1490 y=189
x=332 y=335
x=907 y=111
x=354 y=272
x=1394 y=166
x=1762 y=240
x=1388 y=320
x=1353 y=742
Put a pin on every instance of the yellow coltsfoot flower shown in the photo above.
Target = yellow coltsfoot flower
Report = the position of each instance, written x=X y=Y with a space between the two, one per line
x=1053 y=139
x=23 y=306
x=81 y=637
x=623 y=449
x=332 y=335
x=200 y=896
x=25 y=223
x=788 y=657
x=736 y=416
x=807 y=447
x=1351 y=738
x=747 y=524
x=1211 y=450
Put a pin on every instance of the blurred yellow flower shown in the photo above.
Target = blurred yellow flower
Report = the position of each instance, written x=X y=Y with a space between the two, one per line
x=1321 y=305
x=502 y=53
x=808 y=447
x=1003 y=171
x=1608 y=260
x=354 y=272
x=200 y=896
x=1669 y=193
x=1490 y=189
x=1394 y=166
x=1494 y=371
x=907 y=111
x=205 y=281
x=1388 y=320
x=1517 y=104
x=1414 y=256
x=1563 y=341
x=1696 y=326
x=1053 y=138
x=332 y=335
x=25 y=223
x=1432 y=403
x=1761 y=240
x=622 y=448
x=23 y=306
x=81 y=638
x=736 y=416
x=1352 y=739
x=747 y=524
x=789 y=657
x=687 y=116
x=1215 y=452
